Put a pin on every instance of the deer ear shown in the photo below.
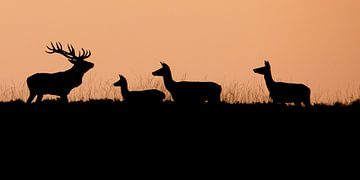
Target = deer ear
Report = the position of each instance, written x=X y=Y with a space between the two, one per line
x=163 y=64
x=267 y=63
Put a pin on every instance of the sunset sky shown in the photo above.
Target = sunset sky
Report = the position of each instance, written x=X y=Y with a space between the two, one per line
x=316 y=42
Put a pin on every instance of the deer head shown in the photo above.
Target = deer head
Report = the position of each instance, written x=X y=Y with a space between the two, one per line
x=78 y=60
x=263 y=70
x=121 y=81
x=165 y=70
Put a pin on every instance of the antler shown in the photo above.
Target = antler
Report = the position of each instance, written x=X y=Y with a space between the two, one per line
x=85 y=54
x=57 y=48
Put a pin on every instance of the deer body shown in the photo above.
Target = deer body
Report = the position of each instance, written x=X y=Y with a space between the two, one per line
x=281 y=92
x=145 y=96
x=60 y=83
x=189 y=92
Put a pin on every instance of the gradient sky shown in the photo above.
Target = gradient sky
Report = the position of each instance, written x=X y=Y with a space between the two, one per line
x=316 y=42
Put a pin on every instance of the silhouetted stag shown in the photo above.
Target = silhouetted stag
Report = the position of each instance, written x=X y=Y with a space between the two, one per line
x=60 y=83
x=145 y=96
x=281 y=92
x=189 y=92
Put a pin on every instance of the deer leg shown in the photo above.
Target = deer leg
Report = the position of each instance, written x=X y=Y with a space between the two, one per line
x=307 y=103
x=279 y=103
x=64 y=99
x=31 y=97
x=214 y=100
x=275 y=102
x=39 y=98
x=298 y=103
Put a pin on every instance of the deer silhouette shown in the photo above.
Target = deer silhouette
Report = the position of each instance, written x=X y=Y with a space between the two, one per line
x=189 y=92
x=60 y=83
x=145 y=96
x=281 y=92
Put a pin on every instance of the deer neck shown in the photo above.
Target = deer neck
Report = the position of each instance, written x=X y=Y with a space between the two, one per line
x=75 y=76
x=269 y=80
x=76 y=72
x=125 y=90
x=168 y=81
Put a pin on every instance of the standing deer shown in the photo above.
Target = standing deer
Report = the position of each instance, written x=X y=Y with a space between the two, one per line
x=189 y=92
x=281 y=92
x=60 y=83
x=145 y=96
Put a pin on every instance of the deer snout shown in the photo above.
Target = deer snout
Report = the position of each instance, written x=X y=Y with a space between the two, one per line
x=116 y=83
x=156 y=73
x=256 y=70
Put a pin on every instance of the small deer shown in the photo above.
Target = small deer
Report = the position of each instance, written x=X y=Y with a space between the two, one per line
x=281 y=92
x=145 y=96
x=189 y=92
x=60 y=83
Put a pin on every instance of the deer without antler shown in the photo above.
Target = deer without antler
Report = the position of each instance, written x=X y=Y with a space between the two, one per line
x=281 y=92
x=60 y=83
x=145 y=97
x=189 y=92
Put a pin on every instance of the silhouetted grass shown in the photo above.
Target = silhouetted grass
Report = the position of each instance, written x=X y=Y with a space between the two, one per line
x=233 y=92
x=13 y=91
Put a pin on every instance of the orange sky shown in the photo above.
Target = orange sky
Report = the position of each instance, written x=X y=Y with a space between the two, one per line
x=316 y=42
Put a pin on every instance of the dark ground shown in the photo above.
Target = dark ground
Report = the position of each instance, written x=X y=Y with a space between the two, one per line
x=233 y=138
x=112 y=119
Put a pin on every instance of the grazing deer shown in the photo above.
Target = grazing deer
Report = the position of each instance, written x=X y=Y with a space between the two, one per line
x=281 y=92
x=145 y=96
x=189 y=92
x=60 y=83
